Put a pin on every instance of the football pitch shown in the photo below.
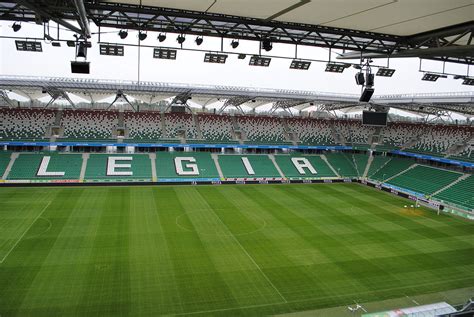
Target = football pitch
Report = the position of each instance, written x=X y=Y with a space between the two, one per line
x=221 y=250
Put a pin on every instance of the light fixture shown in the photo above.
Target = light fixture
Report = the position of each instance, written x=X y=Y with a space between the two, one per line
x=71 y=43
x=162 y=37
x=180 y=39
x=142 y=36
x=259 y=61
x=432 y=77
x=369 y=79
x=267 y=44
x=199 y=40
x=469 y=81
x=385 y=72
x=241 y=56
x=234 y=44
x=162 y=53
x=297 y=64
x=16 y=27
x=123 y=34
x=28 y=46
x=336 y=67
x=215 y=58
x=56 y=44
x=113 y=50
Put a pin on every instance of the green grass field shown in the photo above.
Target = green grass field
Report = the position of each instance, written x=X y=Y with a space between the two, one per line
x=220 y=250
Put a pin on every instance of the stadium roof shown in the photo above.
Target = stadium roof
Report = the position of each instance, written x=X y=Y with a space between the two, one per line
x=93 y=90
x=435 y=29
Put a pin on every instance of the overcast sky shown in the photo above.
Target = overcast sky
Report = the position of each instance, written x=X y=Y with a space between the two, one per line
x=189 y=67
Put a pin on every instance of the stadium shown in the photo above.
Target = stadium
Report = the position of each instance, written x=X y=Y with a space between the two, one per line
x=176 y=158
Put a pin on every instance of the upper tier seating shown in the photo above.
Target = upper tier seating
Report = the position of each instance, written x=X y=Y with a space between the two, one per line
x=216 y=128
x=143 y=126
x=343 y=163
x=437 y=139
x=398 y=134
x=79 y=124
x=25 y=123
x=27 y=165
x=262 y=129
x=312 y=131
x=290 y=171
x=140 y=166
x=233 y=167
x=461 y=193
x=175 y=123
x=353 y=131
x=424 y=179
x=467 y=155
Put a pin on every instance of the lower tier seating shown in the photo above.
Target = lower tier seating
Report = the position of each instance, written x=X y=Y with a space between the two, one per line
x=290 y=171
x=377 y=163
x=27 y=166
x=393 y=167
x=199 y=165
x=461 y=193
x=137 y=168
x=424 y=179
x=343 y=164
x=360 y=161
x=4 y=160
x=233 y=167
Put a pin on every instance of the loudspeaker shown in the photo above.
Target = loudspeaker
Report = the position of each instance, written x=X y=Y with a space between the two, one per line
x=366 y=95
x=360 y=80
x=80 y=67
x=369 y=80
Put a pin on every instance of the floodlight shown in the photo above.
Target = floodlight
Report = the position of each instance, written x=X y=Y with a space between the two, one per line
x=469 y=81
x=267 y=45
x=360 y=79
x=80 y=67
x=28 y=46
x=181 y=39
x=260 y=61
x=336 y=67
x=241 y=56
x=71 y=43
x=123 y=34
x=142 y=35
x=113 y=50
x=16 y=27
x=297 y=64
x=234 y=44
x=199 y=40
x=385 y=72
x=161 y=37
x=162 y=53
x=432 y=77
x=56 y=44
x=215 y=58
x=366 y=94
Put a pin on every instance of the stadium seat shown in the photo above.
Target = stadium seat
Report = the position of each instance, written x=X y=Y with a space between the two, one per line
x=166 y=167
x=343 y=163
x=461 y=193
x=25 y=123
x=216 y=128
x=394 y=166
x=312 y=131
x=290 y=171
x=139 y=167
x=262 y=130
x=353 y=131
x=88 y=125
x=26 y=166
x=177 y=123
x=143 y=126
x=233 y=167
x=424 y=179
x=437 y=139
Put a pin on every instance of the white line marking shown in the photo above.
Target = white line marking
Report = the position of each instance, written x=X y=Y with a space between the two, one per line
x=27 y=229
x=250 y=257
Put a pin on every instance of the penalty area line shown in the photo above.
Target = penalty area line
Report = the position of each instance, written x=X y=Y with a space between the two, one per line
x=27 y=229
